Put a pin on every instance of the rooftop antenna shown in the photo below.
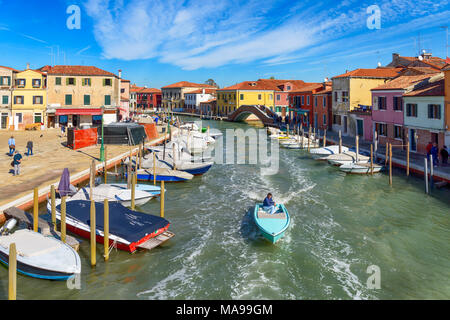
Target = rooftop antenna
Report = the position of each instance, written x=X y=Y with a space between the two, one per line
x=446 y=40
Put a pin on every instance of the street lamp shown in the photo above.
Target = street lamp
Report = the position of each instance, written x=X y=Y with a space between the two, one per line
x=102 y=147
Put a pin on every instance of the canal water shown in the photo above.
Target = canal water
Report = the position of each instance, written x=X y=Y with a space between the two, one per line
x=341 y=226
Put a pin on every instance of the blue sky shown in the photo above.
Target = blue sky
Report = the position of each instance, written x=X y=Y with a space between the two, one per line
x=158 y=42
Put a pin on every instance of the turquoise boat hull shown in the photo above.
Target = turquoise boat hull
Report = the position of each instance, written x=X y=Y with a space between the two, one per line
x=272 y=228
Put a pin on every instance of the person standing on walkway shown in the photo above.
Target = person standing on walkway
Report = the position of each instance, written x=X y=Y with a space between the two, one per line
x=12 y=145
x=434 y=152
x=428 y=148
x=444 y=155
x=29 y=148
x=16 y=161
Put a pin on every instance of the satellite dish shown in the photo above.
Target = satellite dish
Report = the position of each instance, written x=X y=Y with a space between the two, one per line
x=379 y=64
x=420 y=58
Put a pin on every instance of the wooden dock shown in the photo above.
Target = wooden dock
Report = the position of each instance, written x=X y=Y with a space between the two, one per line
x=157 y=241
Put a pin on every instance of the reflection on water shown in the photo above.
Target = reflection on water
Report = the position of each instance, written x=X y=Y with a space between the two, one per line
x=341 y=224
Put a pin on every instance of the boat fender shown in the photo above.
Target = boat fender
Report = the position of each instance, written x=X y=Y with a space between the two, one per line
x=8 y=226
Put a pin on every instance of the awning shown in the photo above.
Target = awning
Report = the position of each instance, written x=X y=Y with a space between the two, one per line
x=78 y=111
x=299 y=111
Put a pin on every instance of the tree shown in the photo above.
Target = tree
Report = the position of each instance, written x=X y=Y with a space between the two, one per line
x=211 y=82
x=272 y=78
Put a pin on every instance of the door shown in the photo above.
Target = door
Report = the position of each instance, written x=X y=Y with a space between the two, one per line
x=360 y=127
x=412 y=140
x=345 y=124
x=315 y=120
x=75 y=120
x=4 y=121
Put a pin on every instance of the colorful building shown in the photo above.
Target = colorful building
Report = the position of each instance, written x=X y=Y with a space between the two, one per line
x=78 y=96
x=388 y=109
x=29 y=99
x=424 y=114
x=208 y=107
x=193 y=99
x=124 y=109
x=148 y=99
x=351 y=90
x=301 y=104
x=7 y=79
x=173 y=96
x=246 y=93
x=447 y=103
x=322 y=108
x=425 y=60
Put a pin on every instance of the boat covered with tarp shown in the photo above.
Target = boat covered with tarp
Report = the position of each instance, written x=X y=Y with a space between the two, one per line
x=122 y=133
x=128 y=229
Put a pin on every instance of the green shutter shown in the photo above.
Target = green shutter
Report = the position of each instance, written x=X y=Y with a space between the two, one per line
x=104 y=82
x=68 y=99
x=87 y=99
x=107 y=100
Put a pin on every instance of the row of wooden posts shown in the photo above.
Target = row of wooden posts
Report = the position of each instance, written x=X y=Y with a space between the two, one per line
x=133 y=181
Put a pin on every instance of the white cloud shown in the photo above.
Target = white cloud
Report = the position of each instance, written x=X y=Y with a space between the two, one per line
x=206 y=34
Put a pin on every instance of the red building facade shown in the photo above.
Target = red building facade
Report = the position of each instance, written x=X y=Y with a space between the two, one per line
x=322 y=111
x=301 y=103
x=148 y=98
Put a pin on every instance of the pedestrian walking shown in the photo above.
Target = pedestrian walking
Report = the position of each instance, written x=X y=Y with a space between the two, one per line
x=16 y=162
x=29 y=148
x=12 y=145
x=428 y=148
x=434 y=152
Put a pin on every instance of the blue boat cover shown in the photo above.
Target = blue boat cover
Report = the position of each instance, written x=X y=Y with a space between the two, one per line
x=123 y=222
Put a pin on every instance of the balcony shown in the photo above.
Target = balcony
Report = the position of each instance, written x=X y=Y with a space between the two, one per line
x=362 y=110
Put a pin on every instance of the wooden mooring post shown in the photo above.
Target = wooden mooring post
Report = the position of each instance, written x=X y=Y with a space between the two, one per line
x=154 y=169
x=431 y=172
x=63 y=219
x=324 y=138
x=104 y=165
x=53 y=205
x=12 y=272
x=390 y=164
x=106 y=228
x=357 y=147
x=340 y=141
x=35 y=209
x=93 y=235
x=129 y=174
x=387 y=154
x=371 y=159
x=92 y=179
x=133 y=191
x=161 y=209
x=425 y=171
x=407 y=158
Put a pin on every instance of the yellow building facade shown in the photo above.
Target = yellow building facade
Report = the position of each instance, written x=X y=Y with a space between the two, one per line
x=245 y=93
x=29 y=99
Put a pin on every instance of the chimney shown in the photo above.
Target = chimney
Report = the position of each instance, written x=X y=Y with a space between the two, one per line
x=28 y=66
x=203 y=91
x=395 y=57
x=120 y=74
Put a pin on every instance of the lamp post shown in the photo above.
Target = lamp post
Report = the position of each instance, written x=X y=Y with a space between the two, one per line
x=102 y=147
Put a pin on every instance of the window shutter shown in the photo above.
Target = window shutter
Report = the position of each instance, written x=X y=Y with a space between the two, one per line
x=375 y=103
x=430 y=111
x=438 y=111
x=9 y=81
x=104 y=82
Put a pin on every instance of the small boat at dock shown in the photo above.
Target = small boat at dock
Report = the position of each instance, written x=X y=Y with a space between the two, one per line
x=163 y=174
x=346 y=158
x=40 y=256
x=272 y=226
x=128 y=229
x=360 y=168
x=320 y=153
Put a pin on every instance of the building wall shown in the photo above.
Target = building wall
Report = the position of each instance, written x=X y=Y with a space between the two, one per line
x=422 y=121
x=6 y=90
x=226 y=101
x=322 y=110
x=447 y=107
x=360 y=91
x=389 y=115
x=97 y=91
x=28 y=109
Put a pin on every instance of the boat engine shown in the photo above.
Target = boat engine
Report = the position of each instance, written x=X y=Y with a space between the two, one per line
x=8 y=226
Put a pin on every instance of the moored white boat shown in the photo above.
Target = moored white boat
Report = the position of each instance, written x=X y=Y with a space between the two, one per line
x=41 y=257
x=318 y=153
x=360 y=168
x=346 y=158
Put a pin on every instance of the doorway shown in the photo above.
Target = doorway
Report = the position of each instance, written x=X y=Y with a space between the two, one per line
x=345 y=124
x=412 y=140
x=4 y=121
x=360 y=127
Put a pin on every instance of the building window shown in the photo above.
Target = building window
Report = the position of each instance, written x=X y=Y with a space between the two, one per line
x=86 y=82
x=278 y=97
x=398 y=103
x=303 y=100
x=5 y=81
x=21 y=83
x=382 y=103
x=307 y=100
x=97 y=120
x=107 y=82
x=411 y=110
x=344 y=96
x=337 y=120
x=68 y=100
x=324 y=102
x=398 y=132
x=5 y=100
x=18 y=100
x=315 y=102
x=87 y=100
x=38 y=100
x=259 y=97
x=58 y=81
x=434 y=111
x=381 y=129
x=36 y=83
x=324 y=120
x=19 y=115
x=38 y=117
x=241 y=97
x=122 y=90
x=336 y=96
x=70 y=81
x=107 y=100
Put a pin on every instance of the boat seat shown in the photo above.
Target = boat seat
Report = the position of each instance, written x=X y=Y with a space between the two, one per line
x=277 y=215
x=28 y=243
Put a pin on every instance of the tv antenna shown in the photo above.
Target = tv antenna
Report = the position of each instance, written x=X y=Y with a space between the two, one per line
x=446 y=40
